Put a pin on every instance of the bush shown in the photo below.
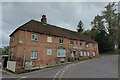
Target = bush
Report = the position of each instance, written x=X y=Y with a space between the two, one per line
x=69 y=59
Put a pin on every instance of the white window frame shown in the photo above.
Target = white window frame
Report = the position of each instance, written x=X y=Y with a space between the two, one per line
x=87 y=45
x=35 y=55
x=81 y=53
x=94 y=53
x=85 y=54
x=61 y=41
x=61 y=52
x=49 y=51
x=49 y=39
x=35 y=37
x=80 y=44
x=88 y=53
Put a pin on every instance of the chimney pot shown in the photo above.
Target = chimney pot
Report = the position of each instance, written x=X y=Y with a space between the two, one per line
x=44 y=19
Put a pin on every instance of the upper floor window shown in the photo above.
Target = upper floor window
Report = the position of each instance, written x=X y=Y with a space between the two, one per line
x=80 y=44
x=61 y=52
x=33 y=54
x=87 y=44
x=49 y=39
x=49 y=51
x=71 y=41
x=34 y=37
x=61 y=41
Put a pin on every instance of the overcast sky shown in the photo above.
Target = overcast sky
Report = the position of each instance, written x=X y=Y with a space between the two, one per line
x=62 y=14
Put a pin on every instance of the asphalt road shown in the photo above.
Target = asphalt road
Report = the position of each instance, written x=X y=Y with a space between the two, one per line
x=103 y=67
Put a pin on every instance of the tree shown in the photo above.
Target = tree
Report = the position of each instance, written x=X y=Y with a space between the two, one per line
x=119 y=31
x=80 y=26
x=87 y=32
x=5 y=50
x=98 y=23
x=105 y=28
x=111 y=20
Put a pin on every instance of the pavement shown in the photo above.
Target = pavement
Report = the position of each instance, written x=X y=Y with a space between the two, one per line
x=103 y=67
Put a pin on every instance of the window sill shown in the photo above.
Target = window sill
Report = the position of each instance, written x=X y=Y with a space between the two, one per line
x=61 y=43
x=33 y=58
x=49 y=42
x=34 y=40
x=61 y=57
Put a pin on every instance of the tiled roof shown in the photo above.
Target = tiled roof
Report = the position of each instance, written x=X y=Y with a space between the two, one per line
x=36 y=26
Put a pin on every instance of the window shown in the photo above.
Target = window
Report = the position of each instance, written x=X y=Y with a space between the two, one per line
x=93 y=53
x=71 y=41
x=88 y=53
x=84 y=53
x=49 y=39
x=61 y=52
x=87 y=44
x=80 y=44
x=61 y=40
x=49 y=51
x=33 y=54
x=34 y=37
x=81 y=53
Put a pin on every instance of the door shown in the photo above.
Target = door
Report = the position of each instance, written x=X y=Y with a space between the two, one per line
x=73 y=55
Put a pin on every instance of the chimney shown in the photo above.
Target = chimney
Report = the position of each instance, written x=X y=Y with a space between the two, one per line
x=44 y=19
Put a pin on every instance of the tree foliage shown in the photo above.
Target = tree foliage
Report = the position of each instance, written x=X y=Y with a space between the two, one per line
x=80 y=26
x=5 y=50
x=105 y=28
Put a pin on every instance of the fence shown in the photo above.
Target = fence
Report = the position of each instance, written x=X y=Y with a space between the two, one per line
x=11 y=65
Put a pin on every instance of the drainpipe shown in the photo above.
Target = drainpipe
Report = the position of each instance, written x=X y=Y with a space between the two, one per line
x=24 y=55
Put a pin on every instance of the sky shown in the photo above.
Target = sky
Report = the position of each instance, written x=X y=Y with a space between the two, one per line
x=62 y=14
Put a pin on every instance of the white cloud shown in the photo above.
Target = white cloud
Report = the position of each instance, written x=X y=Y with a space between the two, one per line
x=63 y=14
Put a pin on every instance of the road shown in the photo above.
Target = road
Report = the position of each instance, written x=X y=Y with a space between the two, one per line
x=103 y=67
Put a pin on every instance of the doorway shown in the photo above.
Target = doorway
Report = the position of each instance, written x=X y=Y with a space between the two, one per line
x=73 y=55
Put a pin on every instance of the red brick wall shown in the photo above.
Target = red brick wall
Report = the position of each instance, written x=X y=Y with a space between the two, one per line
x=23 y=44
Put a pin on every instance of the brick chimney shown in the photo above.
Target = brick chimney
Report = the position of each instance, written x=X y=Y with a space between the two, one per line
x=44 y=19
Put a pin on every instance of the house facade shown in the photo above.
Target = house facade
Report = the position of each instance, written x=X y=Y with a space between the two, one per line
x=36 y=44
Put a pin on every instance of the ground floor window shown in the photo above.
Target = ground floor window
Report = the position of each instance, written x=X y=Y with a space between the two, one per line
x=61 y=52
x=33 y=54
x=81 y=53
x=93 y=53
x=88 y=53
x=49 y=51
x=84 y=53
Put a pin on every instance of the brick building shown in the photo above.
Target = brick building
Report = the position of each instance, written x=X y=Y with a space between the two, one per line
x=38 y=44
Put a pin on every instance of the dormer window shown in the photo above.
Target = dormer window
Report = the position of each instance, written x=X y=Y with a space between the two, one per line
x=34 y=37
x=61 y=41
